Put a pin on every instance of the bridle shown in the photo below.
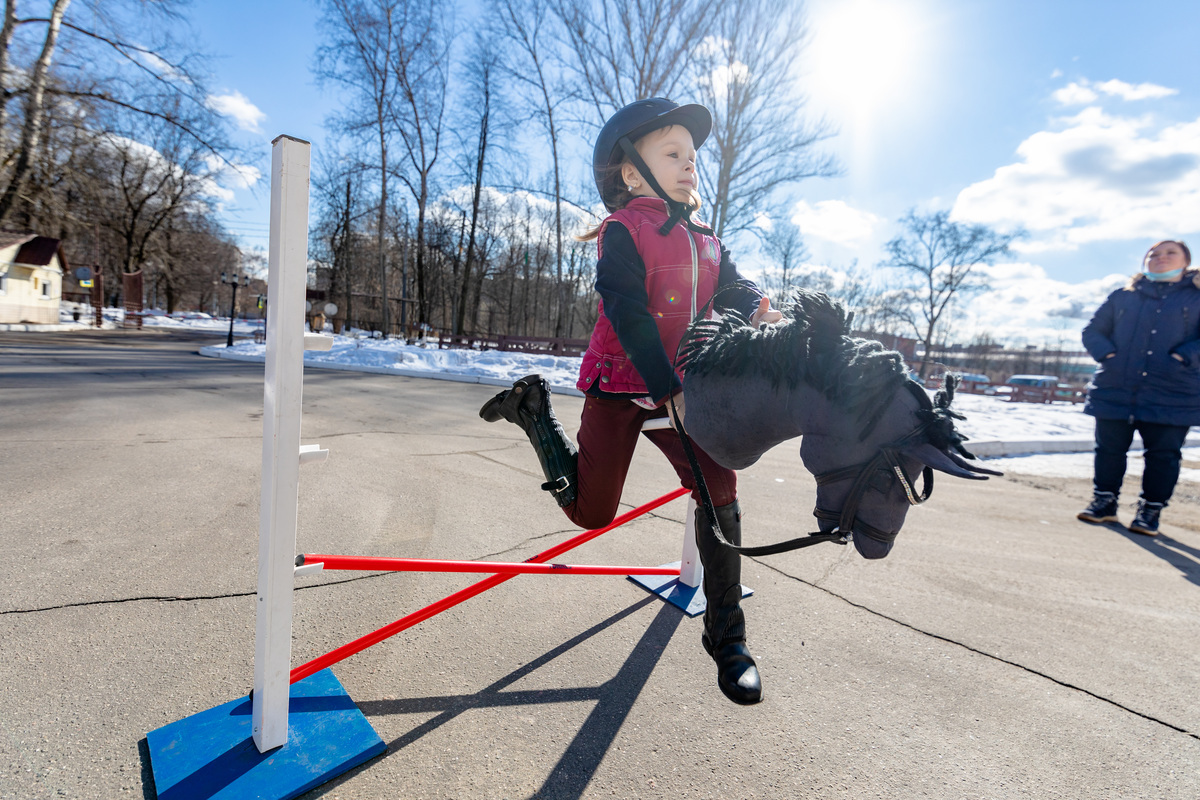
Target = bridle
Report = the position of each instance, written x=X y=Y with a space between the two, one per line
x=886 y=460
x=864 y=475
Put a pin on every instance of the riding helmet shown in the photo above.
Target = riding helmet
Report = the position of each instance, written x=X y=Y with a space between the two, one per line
x=635 y=121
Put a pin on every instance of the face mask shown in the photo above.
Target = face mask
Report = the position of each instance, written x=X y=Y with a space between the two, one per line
x=1164 y=276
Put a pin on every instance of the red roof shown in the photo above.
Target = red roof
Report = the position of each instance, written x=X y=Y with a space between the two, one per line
x=35 y=250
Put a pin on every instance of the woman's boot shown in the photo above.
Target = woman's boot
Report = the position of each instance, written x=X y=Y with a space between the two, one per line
x=724 y=623
x=527 y=405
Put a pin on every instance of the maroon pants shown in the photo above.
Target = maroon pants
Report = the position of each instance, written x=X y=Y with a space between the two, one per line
x=608 y=434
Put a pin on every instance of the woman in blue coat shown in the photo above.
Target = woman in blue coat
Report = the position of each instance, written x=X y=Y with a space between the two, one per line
x=1146 y=341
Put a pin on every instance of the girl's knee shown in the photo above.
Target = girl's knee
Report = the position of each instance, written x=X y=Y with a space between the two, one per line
x=590 y=519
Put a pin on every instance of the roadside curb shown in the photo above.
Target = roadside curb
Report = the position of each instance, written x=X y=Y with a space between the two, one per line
x=219 y=351
x=1051 y=446
x=989 y=449
x=44 y=327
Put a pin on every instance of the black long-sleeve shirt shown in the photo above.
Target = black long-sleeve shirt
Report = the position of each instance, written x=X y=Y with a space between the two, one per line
x=621 y=283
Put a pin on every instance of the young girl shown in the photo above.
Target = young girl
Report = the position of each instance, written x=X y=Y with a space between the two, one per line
x=657 y=269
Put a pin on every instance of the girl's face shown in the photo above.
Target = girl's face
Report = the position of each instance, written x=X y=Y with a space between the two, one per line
x=1165 y=257
x=669 y=154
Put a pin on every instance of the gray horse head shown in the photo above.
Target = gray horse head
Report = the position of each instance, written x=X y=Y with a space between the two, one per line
x=871 y=435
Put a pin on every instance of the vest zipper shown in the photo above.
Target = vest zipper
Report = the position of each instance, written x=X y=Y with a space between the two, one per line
x=695 y=268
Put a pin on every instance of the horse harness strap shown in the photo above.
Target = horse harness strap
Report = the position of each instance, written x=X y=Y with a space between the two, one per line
x=706 y=503
x=886 y=459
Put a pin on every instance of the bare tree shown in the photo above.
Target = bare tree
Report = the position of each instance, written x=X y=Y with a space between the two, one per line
x=784 y=246
x=761 y=140
x=627 y=50
x=363 y=36
x=340 y=208
x=150 y=175
x=85 y=57
x=7 y=31
x=485 y=113
x=419 y=64
x=187 y=259
x=35 y=92
x=939 y=257
x=525 y=24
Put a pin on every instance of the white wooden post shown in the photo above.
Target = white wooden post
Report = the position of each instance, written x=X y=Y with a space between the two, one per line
x=690 y=570
x=284 y=381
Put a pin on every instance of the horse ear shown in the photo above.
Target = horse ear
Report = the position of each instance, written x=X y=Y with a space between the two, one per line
x=948 y=462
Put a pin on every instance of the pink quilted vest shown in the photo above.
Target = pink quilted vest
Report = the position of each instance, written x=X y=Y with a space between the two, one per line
x=682 y=269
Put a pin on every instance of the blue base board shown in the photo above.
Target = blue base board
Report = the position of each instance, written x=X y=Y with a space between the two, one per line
x=688 y=598
x=212 y=755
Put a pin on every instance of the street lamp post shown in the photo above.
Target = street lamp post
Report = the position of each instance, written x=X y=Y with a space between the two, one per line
x=232 y=280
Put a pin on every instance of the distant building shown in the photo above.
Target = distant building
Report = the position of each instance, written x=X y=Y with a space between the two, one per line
x=31 y=278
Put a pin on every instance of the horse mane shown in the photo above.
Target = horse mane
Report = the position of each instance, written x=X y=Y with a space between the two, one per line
x=814 y=346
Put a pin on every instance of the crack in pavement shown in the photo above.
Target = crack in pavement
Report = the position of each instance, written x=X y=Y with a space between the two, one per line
x=184 y=598
x=193 y=598
x=977 y=651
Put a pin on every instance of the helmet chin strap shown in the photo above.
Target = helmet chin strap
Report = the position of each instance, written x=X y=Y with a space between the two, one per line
x=679 y=211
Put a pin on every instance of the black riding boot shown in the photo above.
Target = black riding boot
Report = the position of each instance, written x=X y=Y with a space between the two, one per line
x=527 y=405
x=724 y=623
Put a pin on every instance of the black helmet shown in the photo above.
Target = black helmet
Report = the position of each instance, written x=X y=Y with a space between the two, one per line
x=633 y=122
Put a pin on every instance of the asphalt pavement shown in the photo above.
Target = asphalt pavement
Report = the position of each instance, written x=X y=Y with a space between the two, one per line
x=1003 y=650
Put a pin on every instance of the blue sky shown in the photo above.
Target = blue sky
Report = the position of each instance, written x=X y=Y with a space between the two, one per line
x=1078 y=120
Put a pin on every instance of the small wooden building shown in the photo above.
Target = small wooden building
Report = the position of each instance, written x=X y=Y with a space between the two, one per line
x=31 y=278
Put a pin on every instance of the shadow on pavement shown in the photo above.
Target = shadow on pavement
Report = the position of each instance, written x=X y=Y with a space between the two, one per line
x=1179 y=555
x=614 y=699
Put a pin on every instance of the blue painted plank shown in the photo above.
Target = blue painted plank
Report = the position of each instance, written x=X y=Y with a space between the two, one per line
x=212 y=754
x=689 y=599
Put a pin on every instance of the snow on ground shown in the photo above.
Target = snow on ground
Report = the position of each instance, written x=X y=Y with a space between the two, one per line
x=1053 y=440
x=1079 y=465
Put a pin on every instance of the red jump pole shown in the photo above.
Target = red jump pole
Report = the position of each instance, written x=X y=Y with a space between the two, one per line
x=375 y=563
x=362 y=643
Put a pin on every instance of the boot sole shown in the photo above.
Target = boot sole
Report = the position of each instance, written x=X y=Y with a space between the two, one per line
x=1142 y=531
x=1086 y=517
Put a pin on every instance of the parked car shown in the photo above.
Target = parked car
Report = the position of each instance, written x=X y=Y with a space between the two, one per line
x=1041 y=381
x=973 y=383
x=1027 y=388
x=970 y=382
x=1068 y=393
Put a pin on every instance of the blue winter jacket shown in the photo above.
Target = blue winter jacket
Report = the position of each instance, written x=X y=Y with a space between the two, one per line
x=1143 y=325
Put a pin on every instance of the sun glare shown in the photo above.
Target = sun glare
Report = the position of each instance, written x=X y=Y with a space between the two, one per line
x=863 y=57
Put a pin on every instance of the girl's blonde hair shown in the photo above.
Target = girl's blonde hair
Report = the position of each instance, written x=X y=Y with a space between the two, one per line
x=621 y=196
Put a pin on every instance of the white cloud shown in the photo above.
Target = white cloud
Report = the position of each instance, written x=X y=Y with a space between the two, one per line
x=1097 y=177
x=237 y=105
x=1082 y=92
x=1025 y=306
x=1073 y=94
x=239 y=176
x=159 y=66
x=1143 y=91
x=834 y=221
